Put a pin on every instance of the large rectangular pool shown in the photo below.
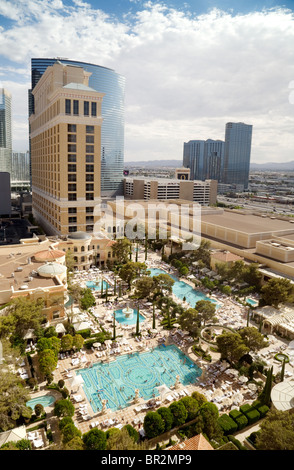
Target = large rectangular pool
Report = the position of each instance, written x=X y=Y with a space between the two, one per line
x=117 y=381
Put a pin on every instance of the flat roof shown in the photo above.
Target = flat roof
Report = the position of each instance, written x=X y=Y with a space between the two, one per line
x=247 y=223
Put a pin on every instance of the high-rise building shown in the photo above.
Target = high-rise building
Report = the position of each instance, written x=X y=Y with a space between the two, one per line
x=65 y=143
x=204 y=158
x=5 y=131
x=238 y=138
x=107 y=81
x=20 y=168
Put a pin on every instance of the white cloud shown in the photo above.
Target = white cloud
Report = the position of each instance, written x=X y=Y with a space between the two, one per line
x=186 y=76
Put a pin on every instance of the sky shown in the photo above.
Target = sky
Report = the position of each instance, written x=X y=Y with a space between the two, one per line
x=190 y=67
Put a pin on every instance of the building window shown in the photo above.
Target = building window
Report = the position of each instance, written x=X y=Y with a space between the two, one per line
x=67 y=106
x=71 y=148
x=86 y=108
x=72 y=220
x=71 y=157
x=72 y=196
x=89 y=218
x=89 y=196
x=71 y=128
x=75 y=107
x=89 y=187
x=72 y=177
x=72 y=210
x=94 y=108
x=90 y=139
x=72 y=229
x=90 y=177
x=89 y=148
x=71 y=137
x=89 y=129
x=89 y=228
x=72 y=187
x=89 y=168
x=90 y=158
x=71 y=168
x=89 y=210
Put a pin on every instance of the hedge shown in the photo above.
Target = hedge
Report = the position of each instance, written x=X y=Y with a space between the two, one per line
x=228 y=425
x=237 y=443
x=245 y=408
x=262 y=410
x=239 y=418
x=252 y=415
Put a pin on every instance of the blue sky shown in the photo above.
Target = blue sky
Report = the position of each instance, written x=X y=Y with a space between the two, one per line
x=190 y=67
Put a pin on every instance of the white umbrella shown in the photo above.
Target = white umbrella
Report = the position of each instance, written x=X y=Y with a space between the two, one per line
x=96 y=345
x=252 y=387
x=243 y=379
x=108 y=342
x=227 y=401
x=237 y=397
x=77 y=380
x=232 y=372
x=163 y=389
x=216 y=394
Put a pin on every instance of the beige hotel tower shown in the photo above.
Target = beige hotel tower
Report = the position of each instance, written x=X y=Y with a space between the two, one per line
x=65 y=139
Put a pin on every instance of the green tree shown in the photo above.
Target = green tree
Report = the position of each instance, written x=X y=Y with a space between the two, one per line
x=179 y=413
x=66 y=342
x=64 y=408
x=95 y=439
x=12 y=396
x=76 y=443
x=87 y=299
x=121 y=250
x=153 y=424
x=131 y=270
x=133 y=433
x=192 y=407
x=22 y=315
x=163 y=282
x=69 y=432
x=231 y=346
x=252 y=338
x=78 y=341
x=206 y=310
x=190 y=321
x=47 y=361
x=276 y=431
x=276 y=291
x=167 y=417
x=122 y=440
x=144 y=287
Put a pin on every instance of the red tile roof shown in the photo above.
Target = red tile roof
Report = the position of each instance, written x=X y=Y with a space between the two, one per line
x=195 y=443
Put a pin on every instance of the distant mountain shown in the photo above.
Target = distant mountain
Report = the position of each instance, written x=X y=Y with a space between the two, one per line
x=155 y=164
x=275 y=166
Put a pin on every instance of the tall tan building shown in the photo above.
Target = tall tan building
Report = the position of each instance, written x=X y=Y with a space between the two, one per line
x=65 y=136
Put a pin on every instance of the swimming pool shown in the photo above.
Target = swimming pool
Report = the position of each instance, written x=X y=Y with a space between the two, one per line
x=121 y=318
x=252 y=302
x=181 y=289
x=97 y=286
x=117 y=381
x=45 y=400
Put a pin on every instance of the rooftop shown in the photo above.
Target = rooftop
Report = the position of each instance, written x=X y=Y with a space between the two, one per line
x=194 y=443
x=248 y=223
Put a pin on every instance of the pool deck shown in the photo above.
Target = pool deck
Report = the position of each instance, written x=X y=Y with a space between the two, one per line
x=214 y=380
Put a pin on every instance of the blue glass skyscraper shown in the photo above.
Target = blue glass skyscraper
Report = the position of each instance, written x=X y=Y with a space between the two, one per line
x=106 y=81
x=238 y=138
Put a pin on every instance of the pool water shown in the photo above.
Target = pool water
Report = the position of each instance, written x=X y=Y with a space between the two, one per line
x=120 y=317
x=97 y=286
x=45 y=400
x=252 y=302
x=181 y=289
x=117 y=381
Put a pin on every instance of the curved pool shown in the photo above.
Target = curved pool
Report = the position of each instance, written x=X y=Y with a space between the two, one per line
x=45 y=400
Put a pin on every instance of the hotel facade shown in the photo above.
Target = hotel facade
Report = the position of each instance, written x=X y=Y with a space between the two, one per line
x=65 y=141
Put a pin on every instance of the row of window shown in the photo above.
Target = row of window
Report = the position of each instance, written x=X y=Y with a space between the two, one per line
x=72 y=148
x=73 y=187
x=73 y=138
x=73 y=196
x=73 y=210
x=73 y=168
x=73 y=177
x=72 y=107
x=72 y=157
x=73 y=128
